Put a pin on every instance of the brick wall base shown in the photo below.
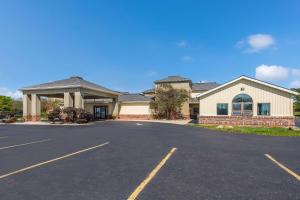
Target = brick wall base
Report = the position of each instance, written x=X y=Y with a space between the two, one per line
x=32 y=118
x=27 y=118
x=248 y=121
x=144 y=117
x=35 y=118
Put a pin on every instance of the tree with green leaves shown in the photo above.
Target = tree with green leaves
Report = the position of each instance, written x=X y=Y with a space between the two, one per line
x=297 y=101
x=6 y=103
x=168 y=102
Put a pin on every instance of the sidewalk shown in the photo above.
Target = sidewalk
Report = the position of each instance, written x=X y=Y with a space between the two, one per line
x=179 y=122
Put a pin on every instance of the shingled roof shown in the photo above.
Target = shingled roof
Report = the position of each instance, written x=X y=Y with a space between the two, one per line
x=134 y=98
x=173 y=79
x=152 y=90
x=204 y=86
x=72 y=82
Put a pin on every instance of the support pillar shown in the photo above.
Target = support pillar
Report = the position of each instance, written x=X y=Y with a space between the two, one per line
x=79 y=101
x=26 y=107
x=115 y=113
x=68 y=100
x=35 y=108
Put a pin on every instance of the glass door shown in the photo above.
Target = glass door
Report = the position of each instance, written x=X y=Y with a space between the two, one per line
x=100 y=112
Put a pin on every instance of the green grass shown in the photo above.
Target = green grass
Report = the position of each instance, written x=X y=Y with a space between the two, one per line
x=297 y=114
x=254 y=130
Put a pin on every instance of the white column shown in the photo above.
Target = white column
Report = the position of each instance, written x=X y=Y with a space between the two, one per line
x=35 y=107
x=79 y=101
x=26 y=107
x=68 y=100
x=116 y=108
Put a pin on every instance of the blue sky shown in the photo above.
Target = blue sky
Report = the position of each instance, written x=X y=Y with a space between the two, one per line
x=126 y=45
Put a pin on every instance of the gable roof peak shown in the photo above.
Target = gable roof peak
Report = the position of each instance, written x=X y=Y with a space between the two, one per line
x=76 y=77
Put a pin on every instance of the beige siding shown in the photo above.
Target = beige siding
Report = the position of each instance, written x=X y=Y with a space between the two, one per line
x=135 y=109
x=281 y=102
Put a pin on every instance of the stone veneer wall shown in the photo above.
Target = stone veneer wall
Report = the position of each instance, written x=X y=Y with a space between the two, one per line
x=248 y=121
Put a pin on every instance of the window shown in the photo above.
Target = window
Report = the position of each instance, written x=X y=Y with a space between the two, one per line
x=242 y=104
x=222 y=109
x=263 y=109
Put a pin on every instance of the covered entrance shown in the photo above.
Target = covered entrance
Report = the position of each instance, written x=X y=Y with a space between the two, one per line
x=100 y=112
x=74 y=92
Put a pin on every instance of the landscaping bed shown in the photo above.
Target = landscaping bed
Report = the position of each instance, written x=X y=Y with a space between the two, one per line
x=271 y=131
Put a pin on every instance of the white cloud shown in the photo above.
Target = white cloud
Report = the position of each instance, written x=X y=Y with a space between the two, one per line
x=295 y=84
x=257 y=42
x=182 y=44
x=296 y=72
x=271 y=72
x=13 y=94
x=187 y=58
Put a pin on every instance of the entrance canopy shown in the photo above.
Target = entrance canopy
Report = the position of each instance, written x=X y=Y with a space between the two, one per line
x=74 y=90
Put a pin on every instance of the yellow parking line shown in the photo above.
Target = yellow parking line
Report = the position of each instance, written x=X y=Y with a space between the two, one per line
x=52 y=160
x=24 y=144
x=283 y=167
x=140 y=188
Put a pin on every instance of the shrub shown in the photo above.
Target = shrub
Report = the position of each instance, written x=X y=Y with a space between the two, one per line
x=82 y=116
x=71 y=114
x=55 y=115
x=7 y=117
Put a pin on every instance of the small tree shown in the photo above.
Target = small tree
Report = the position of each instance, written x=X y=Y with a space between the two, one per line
x=297 y=100
x=6 y=103
x=168 y=102
x=48 y=105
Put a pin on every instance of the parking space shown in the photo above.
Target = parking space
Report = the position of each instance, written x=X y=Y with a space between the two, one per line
x=129 y=160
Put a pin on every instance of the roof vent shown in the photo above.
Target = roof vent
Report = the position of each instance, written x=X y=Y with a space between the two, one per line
x=76 y=77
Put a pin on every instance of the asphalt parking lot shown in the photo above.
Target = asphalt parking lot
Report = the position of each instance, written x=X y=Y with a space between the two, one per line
x=112 y=160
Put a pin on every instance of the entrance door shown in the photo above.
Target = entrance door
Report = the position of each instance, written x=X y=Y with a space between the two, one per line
x=100 y=112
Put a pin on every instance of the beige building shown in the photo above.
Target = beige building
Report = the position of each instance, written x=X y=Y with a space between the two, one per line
x=243 y=101
x=247 y=101
x=190 y=109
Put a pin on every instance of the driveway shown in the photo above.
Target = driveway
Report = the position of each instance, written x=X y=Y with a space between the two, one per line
x=109 y=160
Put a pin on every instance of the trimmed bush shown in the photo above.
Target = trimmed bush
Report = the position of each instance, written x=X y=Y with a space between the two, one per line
x=55 y=115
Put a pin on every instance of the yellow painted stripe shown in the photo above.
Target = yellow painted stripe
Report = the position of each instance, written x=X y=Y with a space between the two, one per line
x=140 y=188
x=283 y=167
x=53 y=160
x=24 y=144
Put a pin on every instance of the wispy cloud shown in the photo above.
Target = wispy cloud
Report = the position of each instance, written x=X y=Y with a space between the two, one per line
x=13 y=94
x=152 y=73
x=296 y=72
x=182 y=44
x=295 y=84
x=187 y=58
x=256 y=43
